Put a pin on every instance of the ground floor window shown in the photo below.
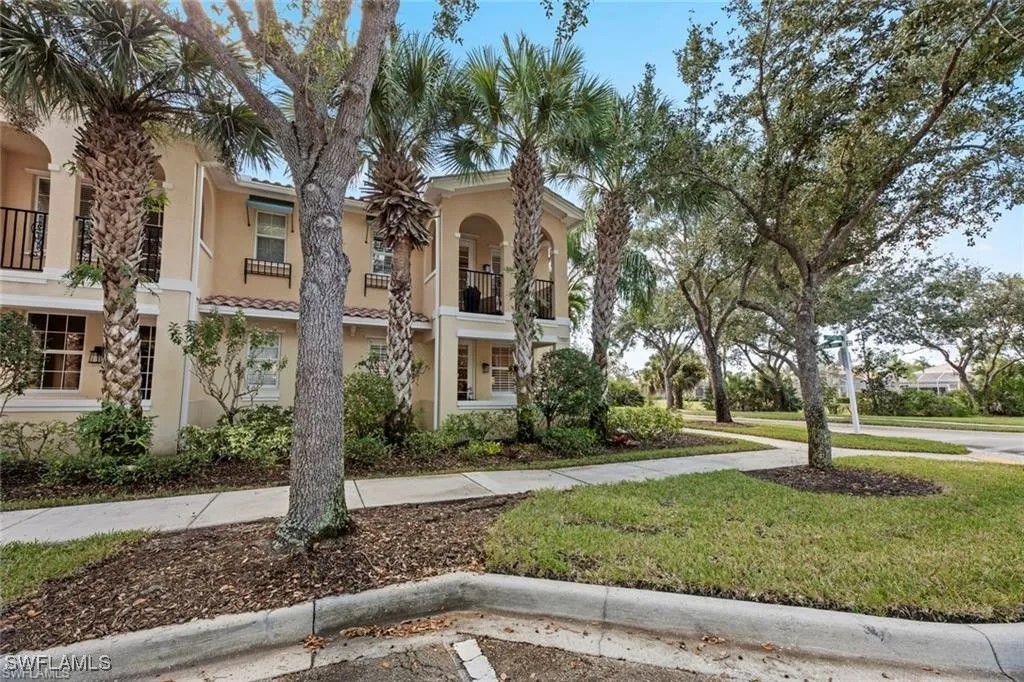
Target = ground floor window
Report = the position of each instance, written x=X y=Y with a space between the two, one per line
x=464 y=387
x=503 y=379
x=377 y=356
x=147 y=353
x=62 y=341
x=262 y=373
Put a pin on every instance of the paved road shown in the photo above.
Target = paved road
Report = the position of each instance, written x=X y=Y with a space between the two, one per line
x=992 y=441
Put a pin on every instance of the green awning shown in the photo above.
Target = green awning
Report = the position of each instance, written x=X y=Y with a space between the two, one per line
x=270 y=205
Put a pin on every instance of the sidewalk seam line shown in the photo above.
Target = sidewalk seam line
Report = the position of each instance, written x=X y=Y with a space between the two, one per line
x=359 y=493
x=40 y=512
x=463 y=474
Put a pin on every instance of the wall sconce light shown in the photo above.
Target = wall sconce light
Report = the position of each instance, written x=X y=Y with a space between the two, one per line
x=486 y=368
x=96 y=355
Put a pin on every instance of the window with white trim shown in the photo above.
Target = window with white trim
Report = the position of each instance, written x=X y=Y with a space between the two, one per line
x=62 y=342
x=380 y=257
x=147 y=354
x=262 y=372
x=377 y=356
x=271 y=235
x=41 y=204
x=503 y=379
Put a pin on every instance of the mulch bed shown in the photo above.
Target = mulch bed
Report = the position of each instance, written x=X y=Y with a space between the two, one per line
x=178 y=577
x=223 y=475
x=861 y=482
x=25 y=485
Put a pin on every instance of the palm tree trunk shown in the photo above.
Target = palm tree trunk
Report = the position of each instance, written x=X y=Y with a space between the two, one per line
x=400 y=335
x=612 y=233
x=527 y=181
x=117 y=156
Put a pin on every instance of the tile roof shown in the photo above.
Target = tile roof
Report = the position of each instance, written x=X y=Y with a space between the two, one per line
x=293 y=306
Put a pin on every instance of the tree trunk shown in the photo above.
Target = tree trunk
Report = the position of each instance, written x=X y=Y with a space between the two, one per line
x=716 y=377
x=819 y=439
x=400 y=336
x=666 y=382
x=117 y=156
x=316 y=504
x=527 y=181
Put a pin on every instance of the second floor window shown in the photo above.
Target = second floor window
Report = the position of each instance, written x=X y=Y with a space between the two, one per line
x=271 y=234
x=380 y=258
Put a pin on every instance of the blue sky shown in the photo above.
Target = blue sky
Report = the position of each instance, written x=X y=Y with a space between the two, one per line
x=622 y=36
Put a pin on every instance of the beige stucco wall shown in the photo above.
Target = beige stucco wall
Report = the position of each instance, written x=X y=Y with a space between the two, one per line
x=228 y=237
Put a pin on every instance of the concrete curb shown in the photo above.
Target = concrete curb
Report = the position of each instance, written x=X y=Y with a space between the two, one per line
x=993 y=649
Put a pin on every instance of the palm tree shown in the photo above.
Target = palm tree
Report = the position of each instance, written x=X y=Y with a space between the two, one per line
x=113 y=67
x=531 y=104
x=413 y=110
x=614 y=183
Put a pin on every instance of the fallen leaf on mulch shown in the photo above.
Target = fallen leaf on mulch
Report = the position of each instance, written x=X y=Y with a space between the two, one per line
x=207 y=572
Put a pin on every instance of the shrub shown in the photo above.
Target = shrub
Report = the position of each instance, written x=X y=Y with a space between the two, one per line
x=369 y=401
x=567 y=384
x=644 y=423
x=366 y=450
x=19 y=355
x=75 y=469
x=622 y=393
x=569 y=442
x=31 y=441
x=481 y=425
x=423 y=444
x=147 y=470
x=475 y=449
x=1006 y=395
x=114 y=431
x=261 y=442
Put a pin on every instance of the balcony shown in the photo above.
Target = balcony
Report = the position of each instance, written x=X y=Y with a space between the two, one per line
x=266 y=268
x=24 y=239
x=152 y=243
x=374 y=280
x=544 y=296
x=480 y=292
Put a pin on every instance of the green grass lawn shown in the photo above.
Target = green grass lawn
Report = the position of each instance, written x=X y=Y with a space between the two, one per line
x=723 y=446
x=976 y=423
x=954 y=556
x=24 y=565
x=859 y=441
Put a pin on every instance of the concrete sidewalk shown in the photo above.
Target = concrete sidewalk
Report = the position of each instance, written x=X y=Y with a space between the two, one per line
x=212 y=509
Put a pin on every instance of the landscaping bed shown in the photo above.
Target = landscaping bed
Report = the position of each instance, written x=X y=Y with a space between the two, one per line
x=952 y=556
x=857 y=441
x=847 y=481
x=26 y=489
x=176 y=577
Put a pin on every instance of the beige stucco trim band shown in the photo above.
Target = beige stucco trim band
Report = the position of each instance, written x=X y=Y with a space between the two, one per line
x=92 y=305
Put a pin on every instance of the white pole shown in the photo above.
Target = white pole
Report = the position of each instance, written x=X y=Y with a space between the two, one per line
x=851 y=390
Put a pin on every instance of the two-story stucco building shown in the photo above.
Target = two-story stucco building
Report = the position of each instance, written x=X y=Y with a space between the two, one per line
x=224 y=243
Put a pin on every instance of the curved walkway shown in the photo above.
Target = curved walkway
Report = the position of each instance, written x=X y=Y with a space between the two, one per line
x=211 y=509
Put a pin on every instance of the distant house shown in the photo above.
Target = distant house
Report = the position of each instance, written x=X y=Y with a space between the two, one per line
x=939 y=379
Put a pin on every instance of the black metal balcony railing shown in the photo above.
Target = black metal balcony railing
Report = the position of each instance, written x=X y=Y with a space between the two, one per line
x=544 y=295
x=24 y=239
x=480 y=292
x=151 y=247
x=373 y=280
x=267 y=268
